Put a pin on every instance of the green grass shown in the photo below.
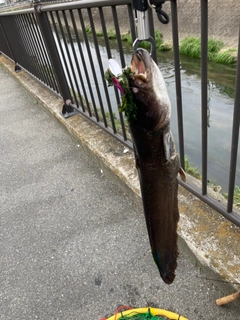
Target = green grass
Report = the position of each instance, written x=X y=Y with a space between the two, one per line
x=226 y=56
x=190 y=169
x=99 y=33
x=111 y=34
x=88 y=29
x=236 y=196
x=127 y=38
x=214 y=46
x=191 y=46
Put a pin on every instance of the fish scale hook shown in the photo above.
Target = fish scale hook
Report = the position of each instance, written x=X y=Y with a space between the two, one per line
x=142 y=21
x=157 y=5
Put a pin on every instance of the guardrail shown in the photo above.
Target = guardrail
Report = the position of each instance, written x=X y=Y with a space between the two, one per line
x=48 y=41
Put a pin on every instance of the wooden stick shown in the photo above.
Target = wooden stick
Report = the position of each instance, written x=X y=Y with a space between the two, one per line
x=227 y=299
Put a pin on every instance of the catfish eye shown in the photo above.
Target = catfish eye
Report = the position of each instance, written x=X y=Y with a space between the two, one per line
x=139 y=82
x=135 y=90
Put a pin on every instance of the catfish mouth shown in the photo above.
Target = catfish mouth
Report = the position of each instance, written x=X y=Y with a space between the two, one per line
x=138 y=65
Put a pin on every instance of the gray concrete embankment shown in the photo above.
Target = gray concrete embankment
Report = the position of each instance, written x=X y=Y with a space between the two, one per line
x=73 y=236
x=224 y=17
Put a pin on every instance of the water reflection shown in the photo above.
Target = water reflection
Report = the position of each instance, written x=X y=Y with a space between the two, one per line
x=221 y=100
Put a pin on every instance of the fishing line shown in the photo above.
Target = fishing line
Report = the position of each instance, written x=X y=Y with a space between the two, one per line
x=218 y=280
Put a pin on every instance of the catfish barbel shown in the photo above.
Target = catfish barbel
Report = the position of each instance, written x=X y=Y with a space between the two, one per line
x=157 y=161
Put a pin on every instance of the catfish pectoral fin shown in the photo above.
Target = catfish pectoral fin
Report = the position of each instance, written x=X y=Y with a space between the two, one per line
x=137 y=164
x=182 y=174
x=167 y=145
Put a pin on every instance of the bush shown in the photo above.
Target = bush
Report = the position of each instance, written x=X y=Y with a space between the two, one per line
x=190 y=169
x=191 y=47
x=228 y=56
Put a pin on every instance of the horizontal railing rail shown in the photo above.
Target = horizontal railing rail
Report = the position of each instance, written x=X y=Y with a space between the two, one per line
x=51 y=41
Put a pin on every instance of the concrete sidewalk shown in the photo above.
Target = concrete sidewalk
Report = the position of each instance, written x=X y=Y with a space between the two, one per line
x=74 y=243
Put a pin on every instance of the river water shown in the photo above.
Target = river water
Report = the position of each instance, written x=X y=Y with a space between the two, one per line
x=221 y=100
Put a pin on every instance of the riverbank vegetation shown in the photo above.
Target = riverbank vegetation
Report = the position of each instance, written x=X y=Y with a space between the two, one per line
x=191 y=46
x=236 y=196
x=190 y=169
x=194 y=172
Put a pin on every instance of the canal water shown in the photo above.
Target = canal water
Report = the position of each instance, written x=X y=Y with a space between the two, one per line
x=221 y=91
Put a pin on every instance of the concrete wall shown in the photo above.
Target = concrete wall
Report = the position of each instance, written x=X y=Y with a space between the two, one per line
x=224 y=20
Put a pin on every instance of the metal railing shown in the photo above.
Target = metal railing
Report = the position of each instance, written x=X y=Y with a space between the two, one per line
x=51 y=42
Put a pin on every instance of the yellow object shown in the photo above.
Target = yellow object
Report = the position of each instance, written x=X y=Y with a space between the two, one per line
x=154 y=311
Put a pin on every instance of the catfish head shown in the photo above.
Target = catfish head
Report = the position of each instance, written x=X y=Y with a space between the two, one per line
x=149 y=92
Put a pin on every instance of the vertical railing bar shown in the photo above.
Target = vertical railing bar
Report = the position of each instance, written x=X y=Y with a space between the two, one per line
x=38 y=51
x=119 y=41
x=235 y=134
x=109 y=56
x=131 y=22
x=102 y=76
x=60 y=47
x=74 y=54
x=204 y=91
x=20 y=28
x=104 y=29
x=53 y=53
x=33 y=43
x=53 y=82
x=122 y=57
x=17 y=39
x=53 y=23
x=83 y=63
x=26 y=37
x=89 y=56
x=77 y=64
x=7 y=42
x=178 y=80
x=69 y=58
x=152 y=34
x=20 y=49
x=133 y=35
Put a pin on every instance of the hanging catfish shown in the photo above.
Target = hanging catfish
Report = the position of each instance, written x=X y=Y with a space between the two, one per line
x=147 y=107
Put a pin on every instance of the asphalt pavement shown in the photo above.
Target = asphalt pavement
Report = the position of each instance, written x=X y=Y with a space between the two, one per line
x=73 y=240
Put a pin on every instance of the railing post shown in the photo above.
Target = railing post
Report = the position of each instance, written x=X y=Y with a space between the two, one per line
x=53 y=53
x=17 y=67
x=204 y=89
x=235 y=134
x=178 y=80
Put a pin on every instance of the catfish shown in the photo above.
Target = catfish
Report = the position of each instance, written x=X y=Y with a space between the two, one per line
x=157 y=160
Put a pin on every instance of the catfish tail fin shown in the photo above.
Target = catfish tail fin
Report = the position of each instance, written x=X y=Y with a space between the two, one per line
x=167 y=265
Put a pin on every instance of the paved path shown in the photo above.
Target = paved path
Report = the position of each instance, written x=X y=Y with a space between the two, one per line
x=73 y=242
